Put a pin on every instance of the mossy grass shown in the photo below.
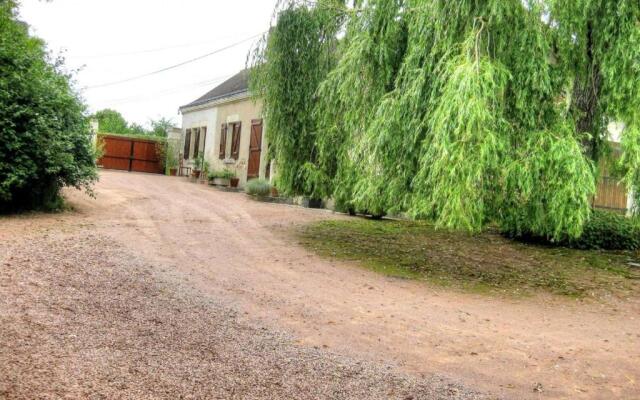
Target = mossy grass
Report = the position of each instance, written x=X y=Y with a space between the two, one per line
x=484 y=263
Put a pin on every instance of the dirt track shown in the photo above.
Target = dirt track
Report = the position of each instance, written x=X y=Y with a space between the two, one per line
x=225 y=248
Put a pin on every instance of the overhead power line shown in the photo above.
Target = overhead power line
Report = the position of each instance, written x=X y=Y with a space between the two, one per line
x=165 y=92
x=133 y=78
x=146 y=51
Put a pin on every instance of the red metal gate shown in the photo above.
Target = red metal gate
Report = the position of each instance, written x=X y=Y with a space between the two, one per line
x=129 y=154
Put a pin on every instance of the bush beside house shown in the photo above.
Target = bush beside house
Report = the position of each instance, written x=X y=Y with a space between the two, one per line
x=258 y=187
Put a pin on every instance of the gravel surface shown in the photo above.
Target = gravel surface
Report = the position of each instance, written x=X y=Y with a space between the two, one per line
x=83 y=318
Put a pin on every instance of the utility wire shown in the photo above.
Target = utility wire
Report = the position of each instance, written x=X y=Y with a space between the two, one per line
x=176 y=65
x=165 y=92
x=146 y=51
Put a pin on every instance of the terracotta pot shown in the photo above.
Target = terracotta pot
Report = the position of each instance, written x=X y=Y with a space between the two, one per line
x=234 y=182
x=173 y=171
x=195 y=174
x=274 y=191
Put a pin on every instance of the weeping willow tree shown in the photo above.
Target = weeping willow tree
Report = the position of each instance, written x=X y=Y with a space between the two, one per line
x=601 y=49
x=288 y=66
x=371 y=53
x=472 y=111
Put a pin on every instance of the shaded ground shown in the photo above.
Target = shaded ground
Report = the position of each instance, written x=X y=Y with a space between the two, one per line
x=81 y=318
x=226 y=249
x=486 y=262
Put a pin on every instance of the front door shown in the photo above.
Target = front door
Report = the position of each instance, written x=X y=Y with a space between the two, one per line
x=255 y=149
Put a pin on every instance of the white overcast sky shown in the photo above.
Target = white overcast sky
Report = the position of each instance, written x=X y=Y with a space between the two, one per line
x=115 y=40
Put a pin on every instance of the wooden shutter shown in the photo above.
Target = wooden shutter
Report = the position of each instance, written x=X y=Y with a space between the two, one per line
x=235 y=141
x=223 y=142
x=196 y=145
x=187 y=144
x=204 y=138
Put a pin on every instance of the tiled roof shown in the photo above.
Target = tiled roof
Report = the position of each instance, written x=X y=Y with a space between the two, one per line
x=237 y=84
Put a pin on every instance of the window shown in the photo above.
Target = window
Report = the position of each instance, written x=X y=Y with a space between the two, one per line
x=187 y=144
x=196 y=145
x=235 y=140
x=223 y=142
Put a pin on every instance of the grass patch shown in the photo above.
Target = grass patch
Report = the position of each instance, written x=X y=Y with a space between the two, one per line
x=480 y=263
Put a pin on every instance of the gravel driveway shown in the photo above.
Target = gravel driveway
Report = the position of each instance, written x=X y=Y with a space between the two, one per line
x=82 y=318
x=161 y=288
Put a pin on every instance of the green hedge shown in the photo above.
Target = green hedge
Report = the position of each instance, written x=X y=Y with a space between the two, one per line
x=608 y=231
x=605 y=230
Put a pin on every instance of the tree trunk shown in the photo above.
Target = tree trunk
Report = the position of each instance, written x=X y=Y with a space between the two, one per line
x=585 y=101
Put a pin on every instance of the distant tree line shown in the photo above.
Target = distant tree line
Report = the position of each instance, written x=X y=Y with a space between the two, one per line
x=111 y=121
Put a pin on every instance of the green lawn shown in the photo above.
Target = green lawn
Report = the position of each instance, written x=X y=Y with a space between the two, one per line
x=482 y=263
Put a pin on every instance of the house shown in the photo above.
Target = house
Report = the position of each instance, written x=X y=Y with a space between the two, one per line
x=225 y=126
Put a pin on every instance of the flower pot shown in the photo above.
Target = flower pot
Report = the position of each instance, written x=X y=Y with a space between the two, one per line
x=234 y=182
x=195 y=174
x=220 y=182
x=274 y=191
x=173 y=171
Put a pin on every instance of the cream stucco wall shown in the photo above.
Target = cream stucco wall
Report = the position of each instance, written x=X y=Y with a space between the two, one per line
x=199 y=119
x=243 y=110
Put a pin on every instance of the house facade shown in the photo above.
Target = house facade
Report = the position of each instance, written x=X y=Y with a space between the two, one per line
x=225 y=126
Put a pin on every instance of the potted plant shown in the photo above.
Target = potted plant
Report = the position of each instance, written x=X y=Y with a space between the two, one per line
x=198 y=167
x=233 y=179
x=172 y=160
x=205 y=170
x=219 y=178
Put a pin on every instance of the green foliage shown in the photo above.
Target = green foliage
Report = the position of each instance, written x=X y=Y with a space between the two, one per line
x=371 y=53
x=111 y=121
x=222 y=174
x=45 y=139
x=171 y=159
x=201 y=164
x=604 y=230
x=465 y=112
x=608 y=231
x=465 y=144
x=258 y=187
x=136 y=129
x=287 y=68
x=548 y=186
x=161 y=127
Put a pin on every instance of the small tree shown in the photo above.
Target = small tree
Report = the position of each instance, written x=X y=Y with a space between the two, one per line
x=160 y=127
x=111 y=121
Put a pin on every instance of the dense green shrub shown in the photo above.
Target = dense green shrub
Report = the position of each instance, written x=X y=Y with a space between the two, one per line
x=258 y=187
x=608 y=231
x=45 y=139
x=604 y=230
